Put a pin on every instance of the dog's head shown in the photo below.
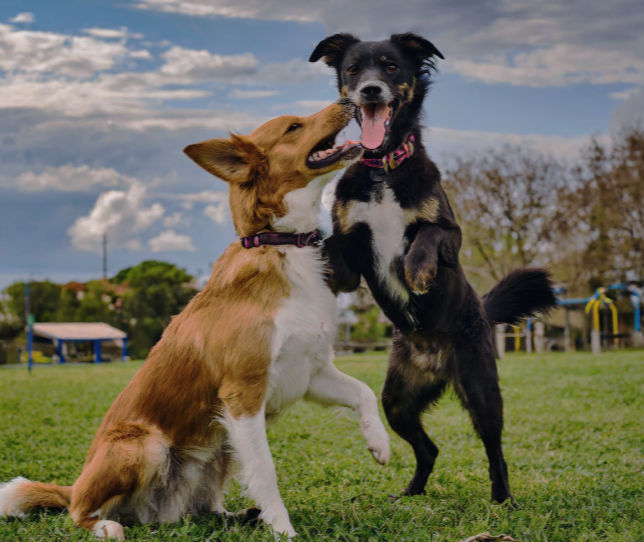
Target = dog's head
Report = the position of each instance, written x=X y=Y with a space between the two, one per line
x=386 y=79
x=284 y=154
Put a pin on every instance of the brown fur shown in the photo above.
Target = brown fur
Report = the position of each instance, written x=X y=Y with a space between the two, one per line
x=427 y=212
x=39 y=495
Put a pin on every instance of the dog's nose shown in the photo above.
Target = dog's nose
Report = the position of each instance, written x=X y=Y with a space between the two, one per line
x=371 y=92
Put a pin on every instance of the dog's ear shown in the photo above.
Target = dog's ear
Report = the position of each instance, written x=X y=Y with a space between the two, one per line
x=417 y=47
x=232 y=160
x=333 y=49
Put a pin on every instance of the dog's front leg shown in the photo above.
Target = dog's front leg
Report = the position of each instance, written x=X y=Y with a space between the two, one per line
x=340 y=277
x=332 y=387
x=248 y=436
x=433 y=245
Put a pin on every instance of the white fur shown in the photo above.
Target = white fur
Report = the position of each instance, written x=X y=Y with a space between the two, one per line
x=248 y=437
x=303 y=207
x=8 y=505
x=106 y=530
x=387 y=222
x=304 y=325
x=326 y=206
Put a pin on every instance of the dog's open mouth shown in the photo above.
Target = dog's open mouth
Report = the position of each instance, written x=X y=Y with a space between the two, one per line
x=327 y=152
x=376 y=121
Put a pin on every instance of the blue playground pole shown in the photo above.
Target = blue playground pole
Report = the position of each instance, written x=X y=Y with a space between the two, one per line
x=59 y=351
x=638 y=314
x=30 y=350
x=97 y=351
x=30 y=326
x=124 y=350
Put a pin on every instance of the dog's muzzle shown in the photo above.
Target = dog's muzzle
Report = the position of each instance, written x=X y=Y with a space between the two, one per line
x=371 y=91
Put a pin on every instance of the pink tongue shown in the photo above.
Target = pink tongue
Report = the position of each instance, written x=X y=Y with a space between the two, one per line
x=373 y=125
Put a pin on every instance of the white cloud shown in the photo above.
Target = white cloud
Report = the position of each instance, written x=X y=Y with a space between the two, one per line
x=630 y=112
x=141 y=53
x=207 y=196
x=102 y=96
x=446 y=143
x=30 y=52
x=218 y=213
x=597 y=42
x=25 y=17
x=119 y=214
x=303 y=107
x=252 y=94
x=63 y=74
x=233 y=8
x=173 y=220
x=111 y=33
x=217 y=210
x=559 y=65
x=191 y=65
x=179 y=120
x=70 y=178
x=624 y=94
x=171 y=241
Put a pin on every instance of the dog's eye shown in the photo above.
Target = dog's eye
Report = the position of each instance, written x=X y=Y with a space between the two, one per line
x=391 y=68
x=293 y=127
x=352 y=70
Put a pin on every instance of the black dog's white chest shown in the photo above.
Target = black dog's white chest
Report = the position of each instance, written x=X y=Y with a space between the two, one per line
x=387 y=222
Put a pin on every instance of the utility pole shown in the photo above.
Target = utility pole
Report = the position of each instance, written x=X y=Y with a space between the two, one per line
x=104 y=256
x=29 y=325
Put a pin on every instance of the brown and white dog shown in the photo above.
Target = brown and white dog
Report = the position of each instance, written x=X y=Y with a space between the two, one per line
x=255 y=340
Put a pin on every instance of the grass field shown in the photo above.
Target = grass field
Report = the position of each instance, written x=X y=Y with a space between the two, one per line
x=574 y=444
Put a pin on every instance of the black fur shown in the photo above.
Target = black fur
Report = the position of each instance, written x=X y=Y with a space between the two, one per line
x=443 y=330
x=522 y=293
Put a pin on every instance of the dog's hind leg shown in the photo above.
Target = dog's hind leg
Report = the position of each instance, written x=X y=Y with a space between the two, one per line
x=477 y=385
x=409 y=390
x=124 y=461
x=330 y=386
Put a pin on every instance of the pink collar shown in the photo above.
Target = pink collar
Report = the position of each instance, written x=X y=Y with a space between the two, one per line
x=393 y=159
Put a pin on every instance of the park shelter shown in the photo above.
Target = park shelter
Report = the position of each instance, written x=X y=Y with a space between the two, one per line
x=97 y=333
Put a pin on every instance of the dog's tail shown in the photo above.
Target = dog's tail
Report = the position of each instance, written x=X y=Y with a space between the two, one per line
x=521 y=294
x=20 y=495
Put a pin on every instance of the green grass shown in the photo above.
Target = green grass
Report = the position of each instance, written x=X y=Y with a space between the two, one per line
x=573 y=441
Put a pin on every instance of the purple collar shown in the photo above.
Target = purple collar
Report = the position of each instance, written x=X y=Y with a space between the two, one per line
x=310 y=239
x=393 y=159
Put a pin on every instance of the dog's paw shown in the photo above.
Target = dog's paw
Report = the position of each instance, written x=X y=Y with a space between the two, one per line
x=282 y=529
x=419 y=273
x=108 y=530
x=377 y=440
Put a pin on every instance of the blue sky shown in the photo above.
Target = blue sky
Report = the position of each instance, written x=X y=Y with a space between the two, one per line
x=97 y=100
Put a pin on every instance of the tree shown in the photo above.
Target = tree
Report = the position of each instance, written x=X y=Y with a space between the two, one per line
x=505 y=202
x=140 y=302
x=10 y=325
x=601 y=212
x=156 y=292
x=44 y=298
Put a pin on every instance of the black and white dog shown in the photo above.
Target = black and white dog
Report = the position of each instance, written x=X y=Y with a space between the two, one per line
x=394 y=226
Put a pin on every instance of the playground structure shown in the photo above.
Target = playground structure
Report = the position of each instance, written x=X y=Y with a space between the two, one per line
x=592 y=306
x=534 y=331
x=61 y=334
